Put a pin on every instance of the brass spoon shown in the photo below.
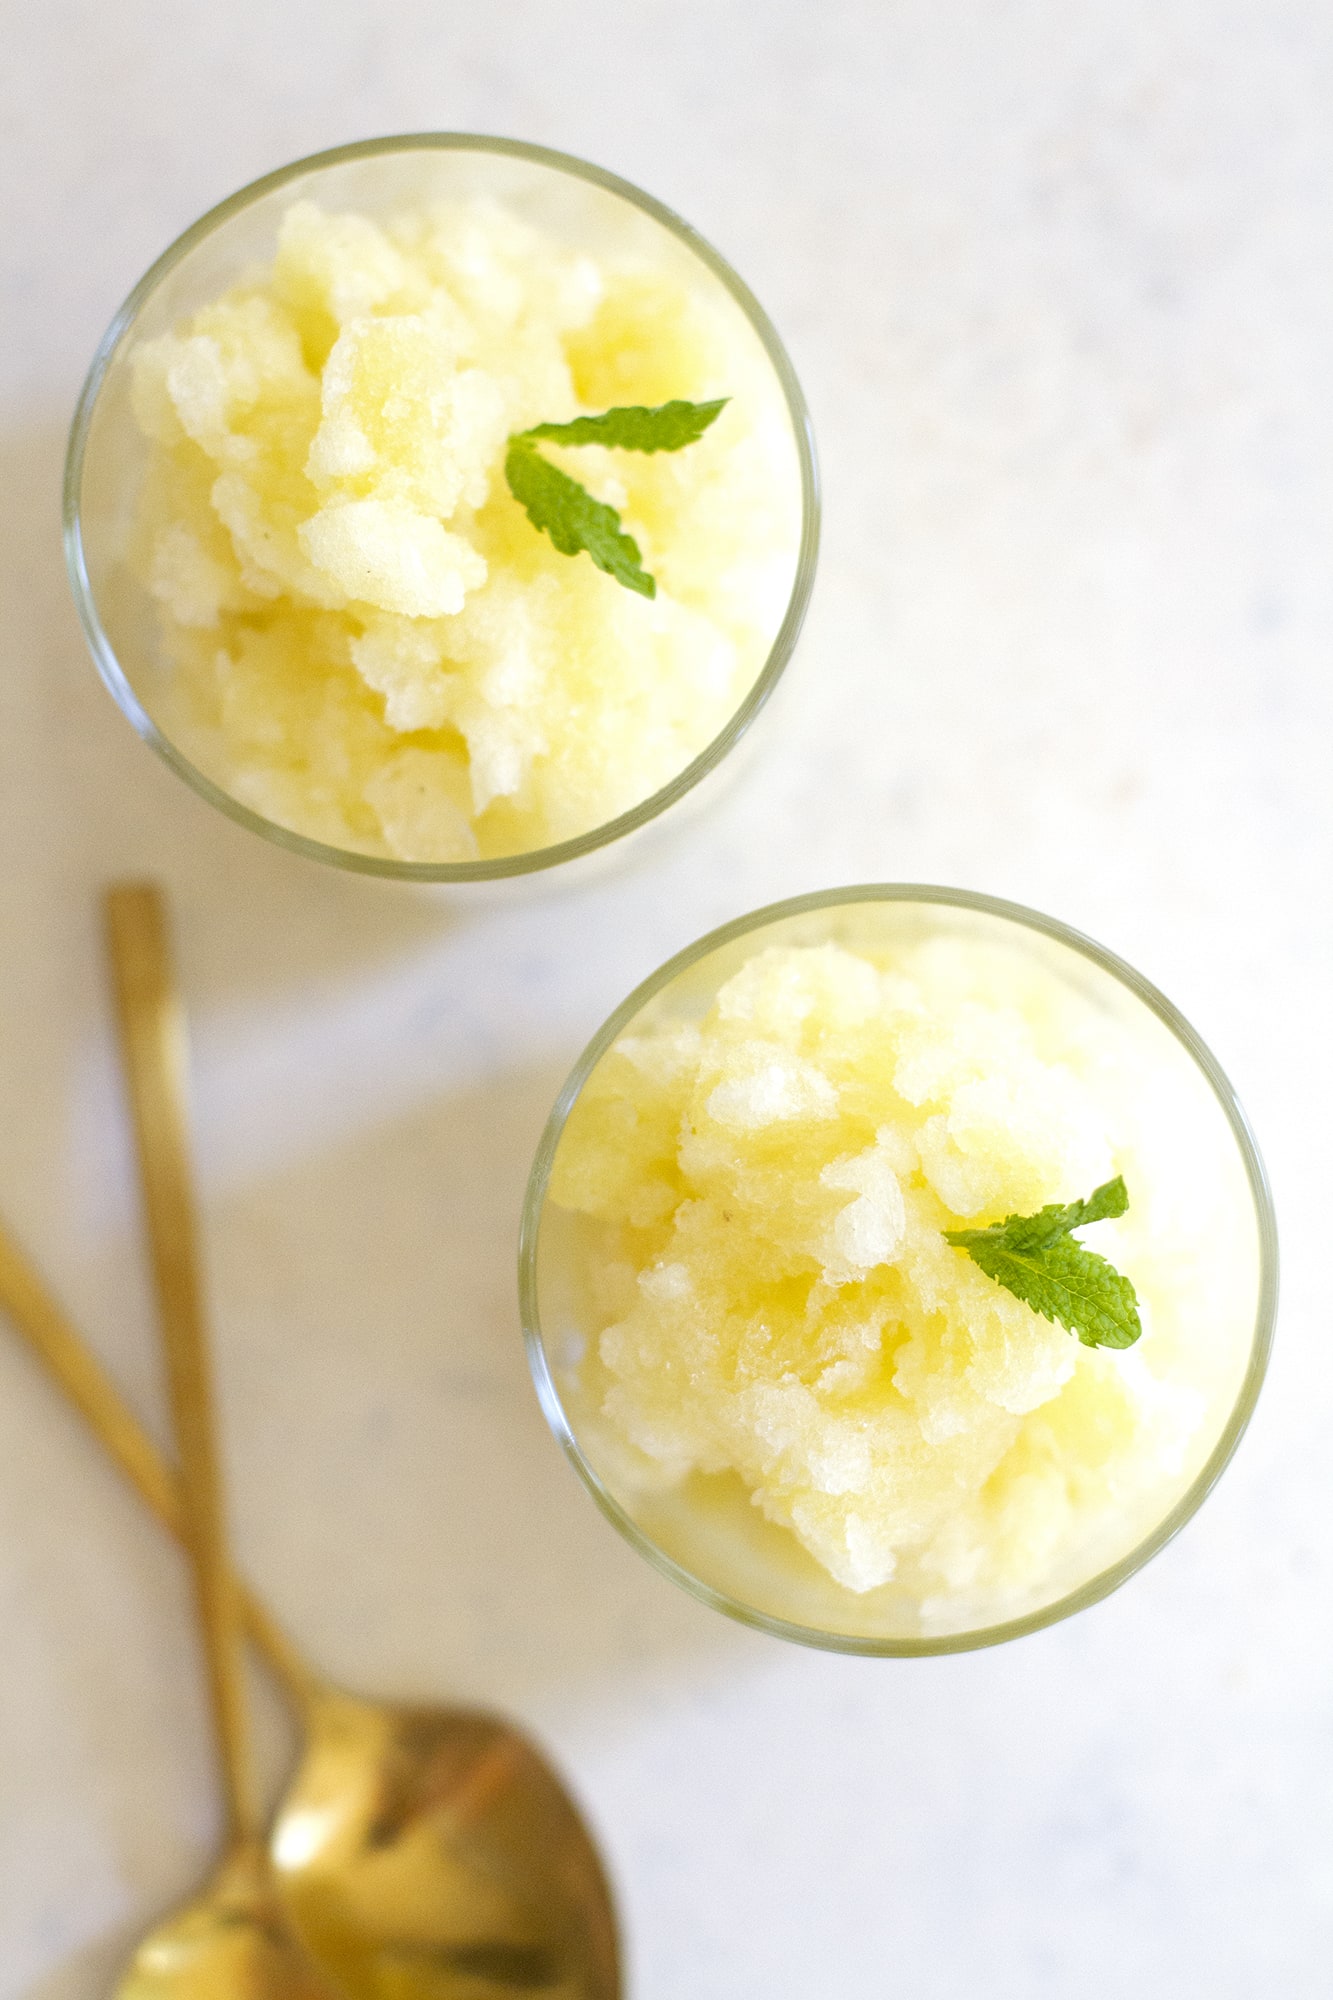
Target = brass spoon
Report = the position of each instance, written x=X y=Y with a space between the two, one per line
x=232 y=1942
x=423 y=1853
x=366 y=1763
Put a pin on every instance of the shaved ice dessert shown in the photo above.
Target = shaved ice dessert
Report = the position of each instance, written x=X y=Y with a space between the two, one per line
x=765 y=1348
x=361 y=635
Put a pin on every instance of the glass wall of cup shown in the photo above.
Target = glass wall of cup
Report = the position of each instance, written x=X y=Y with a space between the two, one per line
x=184 y=623
x=834 y=1450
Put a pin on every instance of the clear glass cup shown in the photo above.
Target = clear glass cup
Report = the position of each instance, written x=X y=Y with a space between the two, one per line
x=581 y=207
x=702 y=1531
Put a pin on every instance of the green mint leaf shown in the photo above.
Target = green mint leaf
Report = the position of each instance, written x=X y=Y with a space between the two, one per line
x=559 y=507
x=632 y=427
x=1036 y=1258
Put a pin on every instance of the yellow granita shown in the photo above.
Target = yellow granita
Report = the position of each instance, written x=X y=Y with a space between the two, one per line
x=363 y=637
x=760 y=1198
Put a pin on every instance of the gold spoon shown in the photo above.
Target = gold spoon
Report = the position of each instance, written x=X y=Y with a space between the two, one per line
x=232 y=1942
x=370 y=1755
x=423 y=1853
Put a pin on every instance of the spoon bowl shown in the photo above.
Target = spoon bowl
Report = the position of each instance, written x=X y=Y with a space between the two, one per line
x=423 y=1851
x=230 y=1944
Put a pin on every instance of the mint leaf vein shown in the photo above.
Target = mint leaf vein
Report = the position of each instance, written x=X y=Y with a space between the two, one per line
x=560 y=507
x=1037 y=1259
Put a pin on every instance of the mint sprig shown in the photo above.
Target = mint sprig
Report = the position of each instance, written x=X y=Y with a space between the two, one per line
x=559 y=507
x=1037 y=1259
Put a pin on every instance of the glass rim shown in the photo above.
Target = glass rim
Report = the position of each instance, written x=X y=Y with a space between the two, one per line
x=529 y=860
x=1105 y=1581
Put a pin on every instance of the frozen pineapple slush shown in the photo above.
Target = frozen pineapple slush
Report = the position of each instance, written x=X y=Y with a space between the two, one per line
x=770 y=1352
x=363 y=637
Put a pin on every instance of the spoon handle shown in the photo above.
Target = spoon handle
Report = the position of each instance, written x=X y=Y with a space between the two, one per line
x=85 y=1383
x=153 y=1051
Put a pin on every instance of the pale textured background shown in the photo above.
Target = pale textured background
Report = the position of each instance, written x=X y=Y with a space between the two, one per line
x=1056 y=275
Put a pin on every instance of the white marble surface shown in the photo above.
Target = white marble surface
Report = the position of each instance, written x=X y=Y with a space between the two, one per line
x=1056 y=274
